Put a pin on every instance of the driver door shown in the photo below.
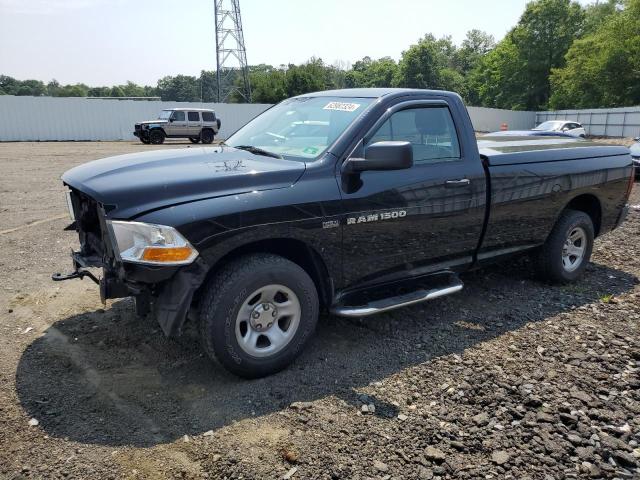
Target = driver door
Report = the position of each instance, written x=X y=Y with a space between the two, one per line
x=177 y=125
x=427 y=218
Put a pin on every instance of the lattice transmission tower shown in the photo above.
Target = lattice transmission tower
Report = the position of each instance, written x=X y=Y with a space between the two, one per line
x=231 y=54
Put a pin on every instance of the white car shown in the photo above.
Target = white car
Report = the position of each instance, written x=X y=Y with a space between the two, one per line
x=565 y=126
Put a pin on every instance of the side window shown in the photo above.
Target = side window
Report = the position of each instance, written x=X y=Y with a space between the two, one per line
x=194 y=117
x=430 y=131
x=208 y=117
x=178 y=116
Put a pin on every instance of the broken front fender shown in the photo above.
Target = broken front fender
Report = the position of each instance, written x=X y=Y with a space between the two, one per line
x=173 y=299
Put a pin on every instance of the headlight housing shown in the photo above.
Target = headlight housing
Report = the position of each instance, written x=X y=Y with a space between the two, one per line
x=151 y=244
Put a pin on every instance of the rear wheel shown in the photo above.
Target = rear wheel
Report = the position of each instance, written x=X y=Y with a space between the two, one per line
x=257 y=314
x=194 y=139
x=156 y=137
x=567 y=251
x=207 y=136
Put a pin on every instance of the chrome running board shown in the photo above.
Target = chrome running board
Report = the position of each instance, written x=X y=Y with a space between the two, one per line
x=398 y=301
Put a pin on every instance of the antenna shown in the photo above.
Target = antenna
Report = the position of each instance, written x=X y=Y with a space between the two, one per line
x=231 y=54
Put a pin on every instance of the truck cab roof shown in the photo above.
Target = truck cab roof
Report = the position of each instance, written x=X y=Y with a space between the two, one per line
x=378 y=93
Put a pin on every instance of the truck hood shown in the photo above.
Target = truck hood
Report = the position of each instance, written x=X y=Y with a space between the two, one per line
x=153 y=122
x=130 y=185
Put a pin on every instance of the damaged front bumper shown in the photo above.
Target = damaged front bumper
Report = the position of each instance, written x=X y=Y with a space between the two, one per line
x=167 y=290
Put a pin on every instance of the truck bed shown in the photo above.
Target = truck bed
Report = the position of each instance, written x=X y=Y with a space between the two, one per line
x=502 y=151
x=531 y=180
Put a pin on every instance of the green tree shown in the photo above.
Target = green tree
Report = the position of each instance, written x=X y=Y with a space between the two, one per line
x=181 y=88
x=596 y=13
x=309 y=77
x=493 y=83
x=99 y=92
x=208 y=85
x=370 y=73
x=474 y=47
x=9 y=84
x=268 y=84
x=429 y=64
x=131 y=89
x=516 y=73
x=78 y=90
x=603 y=69
x=543 y=36
x=53 y=88
x=116 y=91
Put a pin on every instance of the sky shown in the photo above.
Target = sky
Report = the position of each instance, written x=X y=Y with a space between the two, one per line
x=107 y=42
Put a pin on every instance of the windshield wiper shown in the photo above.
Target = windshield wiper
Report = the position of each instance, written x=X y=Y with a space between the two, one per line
x=257 y=151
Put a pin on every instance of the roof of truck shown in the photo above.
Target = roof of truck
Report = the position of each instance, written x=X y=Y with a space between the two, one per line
x=376 y=92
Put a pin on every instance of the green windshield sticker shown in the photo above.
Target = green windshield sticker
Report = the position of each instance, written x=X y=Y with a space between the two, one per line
x=342 y=107
x=310 y=150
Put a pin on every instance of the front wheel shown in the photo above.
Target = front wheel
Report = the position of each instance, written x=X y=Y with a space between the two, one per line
x=257 y=314
x=194 y=139
x=156 y=137
x=207 y=136
x=567 y=251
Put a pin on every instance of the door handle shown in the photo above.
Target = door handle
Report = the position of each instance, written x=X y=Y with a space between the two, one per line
x=463 y=182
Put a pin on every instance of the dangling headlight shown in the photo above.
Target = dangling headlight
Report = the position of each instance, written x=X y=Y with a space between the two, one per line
x=151 y=244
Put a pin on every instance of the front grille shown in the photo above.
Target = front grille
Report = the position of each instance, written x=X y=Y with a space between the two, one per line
x=138 y=127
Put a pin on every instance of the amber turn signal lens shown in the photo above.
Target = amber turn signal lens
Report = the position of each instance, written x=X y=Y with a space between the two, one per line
x=166 y=254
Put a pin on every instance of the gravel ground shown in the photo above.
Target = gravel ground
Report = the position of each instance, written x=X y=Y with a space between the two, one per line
x=512 y=379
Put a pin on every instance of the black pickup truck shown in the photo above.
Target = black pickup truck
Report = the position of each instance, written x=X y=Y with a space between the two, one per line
x=352 y=201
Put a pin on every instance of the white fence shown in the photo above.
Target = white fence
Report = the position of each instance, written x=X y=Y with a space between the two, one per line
x=608 y=122
x=52 y=118
x=59 y=119
x=490 y=119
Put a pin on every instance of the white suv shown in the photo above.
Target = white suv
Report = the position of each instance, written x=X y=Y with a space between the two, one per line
x=196 y=124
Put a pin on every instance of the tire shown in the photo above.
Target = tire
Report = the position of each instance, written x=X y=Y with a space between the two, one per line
x=558 y=261
x=207 y=136
x=237 y=309
x=194 y=139
x=146 y=141
x=156 y=137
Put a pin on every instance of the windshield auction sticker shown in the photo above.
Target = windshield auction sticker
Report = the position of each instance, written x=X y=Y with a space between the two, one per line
x=342 y=107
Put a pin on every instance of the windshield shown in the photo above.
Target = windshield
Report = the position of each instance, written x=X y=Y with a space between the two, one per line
x=164 y=115
x=549 y=126
x=300 y=128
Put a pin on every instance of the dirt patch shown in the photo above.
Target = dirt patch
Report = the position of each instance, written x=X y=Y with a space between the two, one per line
x=513 y=379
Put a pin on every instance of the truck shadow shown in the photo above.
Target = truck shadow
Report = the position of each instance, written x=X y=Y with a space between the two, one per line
x=108 y=378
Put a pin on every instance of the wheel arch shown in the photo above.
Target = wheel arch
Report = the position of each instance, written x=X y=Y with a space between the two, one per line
x=295 y=250
x=158 y=128
x=589 y=204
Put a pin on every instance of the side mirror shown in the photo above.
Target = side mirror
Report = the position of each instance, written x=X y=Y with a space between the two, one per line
x=382 y=156
x=171 y=119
